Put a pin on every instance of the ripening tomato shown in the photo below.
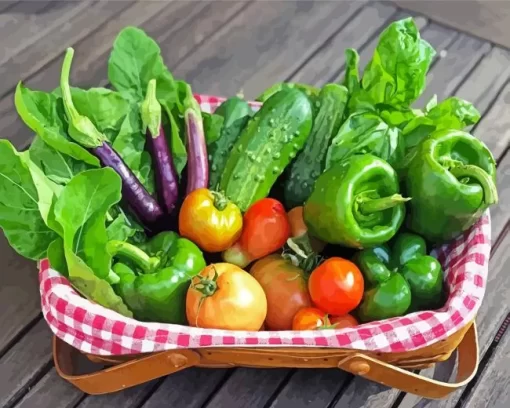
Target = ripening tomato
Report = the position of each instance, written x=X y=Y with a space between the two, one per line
x=224 y=296
x=298 y=229
x=341 y=322
x=309 y=318
x=266 y=228
x=210 y=220
x=285 y=287
x=336 y=286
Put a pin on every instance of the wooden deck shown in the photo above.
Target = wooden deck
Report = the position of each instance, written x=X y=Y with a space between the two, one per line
x=222 y=47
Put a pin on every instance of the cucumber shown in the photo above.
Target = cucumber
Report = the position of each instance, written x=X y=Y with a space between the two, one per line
x=310 y=163
x=236 y=113
x=309 y=90
x=271 y=139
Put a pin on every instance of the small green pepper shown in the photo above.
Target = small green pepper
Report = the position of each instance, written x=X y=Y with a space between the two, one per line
x=356 y=203
x=452 y=179
x=399 y=279
x=154 y=276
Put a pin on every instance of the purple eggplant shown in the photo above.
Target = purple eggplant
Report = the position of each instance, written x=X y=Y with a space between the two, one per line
x=82 y=131
x=167 y=182
x=198 y=163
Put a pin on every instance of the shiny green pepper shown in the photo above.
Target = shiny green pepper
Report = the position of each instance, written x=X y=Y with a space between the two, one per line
x=356 y=203
x=399 y=280
x=154 y=276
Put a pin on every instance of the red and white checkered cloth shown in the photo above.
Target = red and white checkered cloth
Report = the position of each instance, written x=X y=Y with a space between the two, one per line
x=94 y=329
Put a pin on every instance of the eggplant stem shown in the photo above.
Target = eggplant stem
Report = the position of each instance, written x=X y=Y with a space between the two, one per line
x=371 y=205
x=151 y=110
x=490 y=192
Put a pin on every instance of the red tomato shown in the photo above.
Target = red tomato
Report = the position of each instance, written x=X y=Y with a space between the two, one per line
x=340 y=322
x=266 y=228
x=336 y=286
x=309 y=318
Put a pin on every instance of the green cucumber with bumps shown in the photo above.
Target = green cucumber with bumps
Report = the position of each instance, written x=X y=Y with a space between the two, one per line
x=235 y=112
x=309 y=90
x=310 y=163
x=270 y=141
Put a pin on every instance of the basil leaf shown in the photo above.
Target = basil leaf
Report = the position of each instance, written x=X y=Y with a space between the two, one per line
x=26 y=204
x=363 y=133
x=44 y=113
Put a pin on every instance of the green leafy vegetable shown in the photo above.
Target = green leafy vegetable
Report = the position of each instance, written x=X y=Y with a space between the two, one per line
x=212 y=126
x=25 y=208
x=44 y=113
x=351 y=77
x=57 y=257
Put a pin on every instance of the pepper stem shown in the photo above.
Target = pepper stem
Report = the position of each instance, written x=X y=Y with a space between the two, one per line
x=81 y=128
x=151 y=110
x=490 y=192
x=220 y=201
x=145 y=262
x=371 y=205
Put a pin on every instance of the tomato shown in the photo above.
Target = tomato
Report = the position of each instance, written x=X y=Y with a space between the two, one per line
x=224 y=296
x=266 y=228
x=298 y=229
x=209 y=220
x=336 y=286
x=285 y=287
x=309 y=318
x=340 y=322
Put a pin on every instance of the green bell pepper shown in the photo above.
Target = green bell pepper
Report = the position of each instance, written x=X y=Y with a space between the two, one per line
x=452 y=179
x=356 y=203
x=399 y=279
x=154 y=276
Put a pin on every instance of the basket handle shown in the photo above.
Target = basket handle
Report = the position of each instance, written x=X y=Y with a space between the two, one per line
x=123 y=375
x=395 y=377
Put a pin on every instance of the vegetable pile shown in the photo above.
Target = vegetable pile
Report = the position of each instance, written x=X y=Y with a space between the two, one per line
x=316 y=211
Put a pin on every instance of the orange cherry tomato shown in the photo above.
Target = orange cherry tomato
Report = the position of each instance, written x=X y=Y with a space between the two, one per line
x=224 y=296
x=309 y=318
x=285 y=287
x=266 y=228
x=340 y=322
x=209 y=220
x=336 y=286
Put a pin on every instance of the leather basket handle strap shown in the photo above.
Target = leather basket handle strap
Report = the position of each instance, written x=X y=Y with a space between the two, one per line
x=123 y=375
x=407 y=381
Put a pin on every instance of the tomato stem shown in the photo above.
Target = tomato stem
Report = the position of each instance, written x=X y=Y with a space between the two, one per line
x=207 y=287
x=220 y=201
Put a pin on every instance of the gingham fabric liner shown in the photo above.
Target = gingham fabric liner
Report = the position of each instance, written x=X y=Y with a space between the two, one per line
x=94 y=329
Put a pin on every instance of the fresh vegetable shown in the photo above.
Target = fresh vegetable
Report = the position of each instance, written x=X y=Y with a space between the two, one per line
x=281 y=280
x=366 y=132
x=83 y=131
x=235 y=113
x=224 y=296
x=308 y=90
x=312 y=318
x=299 y=232
x=341 y=322
x=351 y=76
x=336 y=286
x=266 y=228
x=398 y=278
x=211 y=221
x=356 y=203
x=155 y=275
x=274 y=136
x=310 y=163
x=452 y=180
x=166 y=175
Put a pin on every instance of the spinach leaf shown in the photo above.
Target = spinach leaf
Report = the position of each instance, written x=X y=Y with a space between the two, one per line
x=43 y=113
x=57 y=257
x=396 y=74
x=366 y=132
x=26 y=202
x=451 y=113
x=351 y=76
x=174 y=128
x=122 y=227
x=212 y=126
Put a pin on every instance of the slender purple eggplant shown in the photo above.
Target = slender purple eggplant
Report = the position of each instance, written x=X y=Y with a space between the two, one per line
x=82 y=131
x=167 y=182
x=198 y=163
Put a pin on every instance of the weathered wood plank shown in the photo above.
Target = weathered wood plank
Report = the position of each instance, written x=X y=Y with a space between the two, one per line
x=24 y=362
x=488 y=320
x=263 y=45
x=330 y=58
x=5 y=5
x=311 y=388
x=51 y=392
x=451 y=69
x=248 y=387
x=130 y=398
x=486 y=19
x=69 y=29
x=493 y=387
x=194 y=385
x=500 y=213
x=30 y=27
x=20 y=292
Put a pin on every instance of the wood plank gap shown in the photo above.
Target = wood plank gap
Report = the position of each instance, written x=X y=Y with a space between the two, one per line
x=20 y=335
x=491 y=105
x=218 y=386
x=7 y=5
x=502 y=331
x=277 y=391
x=150 y=391
x=340 y=391
x=500 y=238
x=29 y=384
